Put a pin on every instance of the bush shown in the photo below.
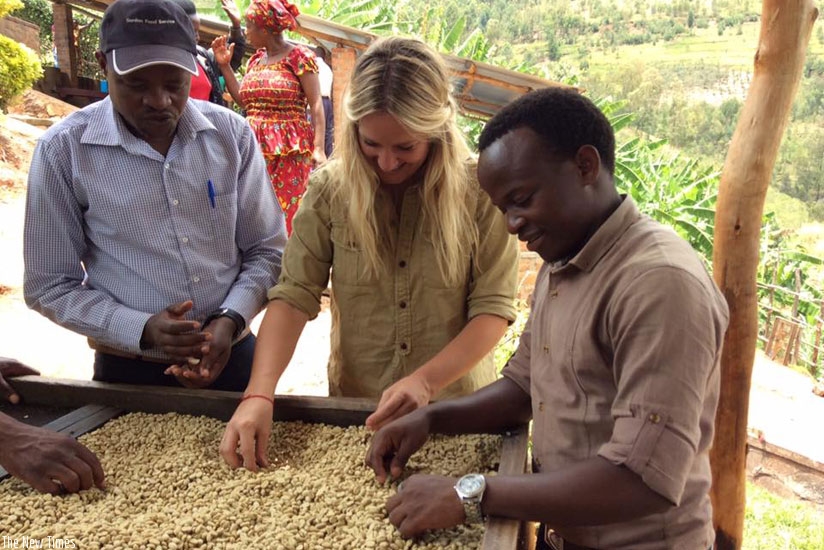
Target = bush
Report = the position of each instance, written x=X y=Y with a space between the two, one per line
x=19 y=69
x=38 y=12
x=8 y=6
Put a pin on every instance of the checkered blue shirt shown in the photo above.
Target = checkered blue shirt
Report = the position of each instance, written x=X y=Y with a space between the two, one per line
x=144 y=226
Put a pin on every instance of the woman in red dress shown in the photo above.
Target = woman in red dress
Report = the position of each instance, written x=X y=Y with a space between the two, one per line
x=281 y=80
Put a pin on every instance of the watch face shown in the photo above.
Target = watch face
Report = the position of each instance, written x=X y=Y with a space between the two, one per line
x=471 y=485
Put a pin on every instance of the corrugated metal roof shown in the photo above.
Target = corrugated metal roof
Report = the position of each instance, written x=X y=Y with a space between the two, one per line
x=480 y=88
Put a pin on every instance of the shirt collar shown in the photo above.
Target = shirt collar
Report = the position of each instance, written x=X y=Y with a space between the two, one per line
x=605 y=236
x=107 y=128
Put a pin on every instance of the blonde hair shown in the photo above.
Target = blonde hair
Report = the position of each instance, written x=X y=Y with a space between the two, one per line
x=409 y=80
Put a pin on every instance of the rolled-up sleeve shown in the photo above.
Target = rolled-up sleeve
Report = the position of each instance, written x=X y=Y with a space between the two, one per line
x=494 y=282
x=308 y=256
x=667 y=330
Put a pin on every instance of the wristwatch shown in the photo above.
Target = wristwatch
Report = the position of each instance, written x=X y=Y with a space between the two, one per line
x=470 y=489
x=240 y=322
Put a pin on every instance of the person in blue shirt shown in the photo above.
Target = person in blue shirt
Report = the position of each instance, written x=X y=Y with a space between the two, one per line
x=151 y=226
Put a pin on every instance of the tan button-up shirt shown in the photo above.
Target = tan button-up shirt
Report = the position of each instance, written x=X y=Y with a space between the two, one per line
x=384 y=328
x=621 y=358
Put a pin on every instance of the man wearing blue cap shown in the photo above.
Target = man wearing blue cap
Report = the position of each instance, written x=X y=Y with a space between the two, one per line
x=149 y=225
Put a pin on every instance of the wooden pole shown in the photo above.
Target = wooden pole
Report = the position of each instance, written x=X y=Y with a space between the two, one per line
x=818 y=320
x=786 y=26
x=64 y=40
x=770 y=313
x=797 y=295
x=343 y=64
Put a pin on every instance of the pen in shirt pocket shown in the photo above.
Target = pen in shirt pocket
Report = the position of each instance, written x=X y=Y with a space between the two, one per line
x=211 y=190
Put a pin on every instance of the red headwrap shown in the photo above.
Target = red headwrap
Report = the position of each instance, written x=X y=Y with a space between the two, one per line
x=273 y=15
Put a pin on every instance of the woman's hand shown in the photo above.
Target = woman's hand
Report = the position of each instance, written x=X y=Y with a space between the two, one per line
x=232 y=12
x=248 y=429
x=399 y=399
x=222 y=50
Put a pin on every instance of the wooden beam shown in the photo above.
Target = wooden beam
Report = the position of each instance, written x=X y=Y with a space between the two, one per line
x=342 y=64
x=339 y=411
x=468 y=100
x=786 y=26
x=66 y=59
x=500 y=532
x=470 y=79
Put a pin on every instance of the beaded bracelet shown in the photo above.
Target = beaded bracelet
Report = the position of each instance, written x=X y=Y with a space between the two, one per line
x=251 y=395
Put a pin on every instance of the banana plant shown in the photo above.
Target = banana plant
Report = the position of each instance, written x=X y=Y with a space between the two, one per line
x=676 y=191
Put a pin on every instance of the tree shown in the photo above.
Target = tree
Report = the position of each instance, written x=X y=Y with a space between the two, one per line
x=785 y=32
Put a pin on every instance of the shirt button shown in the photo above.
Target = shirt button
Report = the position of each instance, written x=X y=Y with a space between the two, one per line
x=404 y=346
x=196 y=279
x=402 y=304
x=175 y=202
x=402 y=263
x=553 y=294
x=166 y=166
x=185 y=239
x=541 y=406
x=654 y=418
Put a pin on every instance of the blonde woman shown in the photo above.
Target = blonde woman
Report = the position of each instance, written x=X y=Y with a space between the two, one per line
x=423 y=271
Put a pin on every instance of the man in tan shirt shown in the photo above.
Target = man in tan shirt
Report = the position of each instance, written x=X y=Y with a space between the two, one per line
x=618 y=366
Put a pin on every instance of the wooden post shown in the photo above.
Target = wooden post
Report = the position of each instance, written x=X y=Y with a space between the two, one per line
x=770 y=313
x=792 y=347
x=797 y=295
x=343 y=63
x=64 y=40
x=818 y=320
x=786 y=26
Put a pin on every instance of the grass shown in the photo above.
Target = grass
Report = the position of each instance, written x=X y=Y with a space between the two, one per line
x=729 y=50
x=774 y=523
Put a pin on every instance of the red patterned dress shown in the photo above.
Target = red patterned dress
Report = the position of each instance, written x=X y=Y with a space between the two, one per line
x=276 y=108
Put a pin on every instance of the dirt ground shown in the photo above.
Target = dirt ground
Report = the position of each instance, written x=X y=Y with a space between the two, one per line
x=783 y=409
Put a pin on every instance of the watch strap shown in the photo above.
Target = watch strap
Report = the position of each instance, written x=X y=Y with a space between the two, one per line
x=472 y=509
x=237 y=318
